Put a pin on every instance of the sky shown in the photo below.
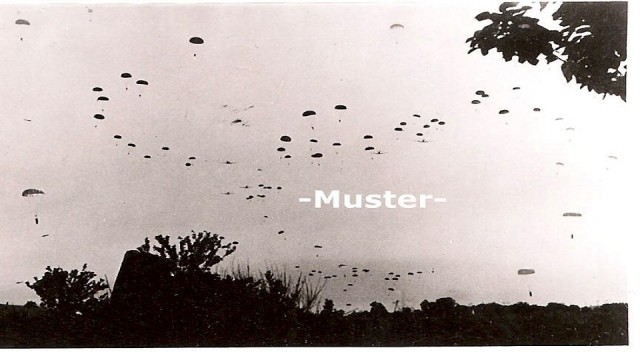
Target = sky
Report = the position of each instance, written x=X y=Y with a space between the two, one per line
x=265 y=65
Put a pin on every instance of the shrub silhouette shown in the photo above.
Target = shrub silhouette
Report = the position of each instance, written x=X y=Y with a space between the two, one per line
x=69 y=292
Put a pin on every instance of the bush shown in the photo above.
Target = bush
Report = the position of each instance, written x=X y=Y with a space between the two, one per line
x=69 y=292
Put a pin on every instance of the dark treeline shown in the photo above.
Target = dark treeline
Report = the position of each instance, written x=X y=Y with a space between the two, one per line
x=168 y=295
x=221 y=311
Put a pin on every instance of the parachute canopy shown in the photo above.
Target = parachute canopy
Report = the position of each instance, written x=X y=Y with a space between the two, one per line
x=475 y=102
x=396 y=26
x=502 y=112
x=142 y=82
x=308 y=113
x=196 y=40
x=340 y=107
x=22 y=22
x=526 y=271
x=285 y=138
x=125 y=75
x=571 y=214
x=32 y=192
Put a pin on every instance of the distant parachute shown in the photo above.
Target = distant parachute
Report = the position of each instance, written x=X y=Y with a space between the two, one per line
x=573 y=214
x=398 y=129
x=280 y=232
x=369 y=148
x=131 y=144
x=316 y=155
x=287 y=156
x=613 y=157
x=308 y=113
x=396 y=26
x=434 y=120
x=187 y=164
x=416 y=115
x=480 y=92
x=313 y=140
x=367 y=137
x=285 y=138
x=526 y=271
x=516 y=88
x=117 y=137
x=340 y=107
x=426 y=126
x=32 y=192
x=485 y=95
x=192 y=157
x=441 y=123
x=165 y=148
x=142 y=82
x=318 y=246
x=282 y=149
x=403 y=123
x=103 y=98
x=125 y=75
x=570 y=128
x=98 y=116
x=560 y=164
x=22 y=22
x=536 y=109
x=196 y=40
x=147 y=156
x=502 y=112
x=475 y=102
x=336 y=144
x=236 y=121
x=419 y=134
x=97 y=88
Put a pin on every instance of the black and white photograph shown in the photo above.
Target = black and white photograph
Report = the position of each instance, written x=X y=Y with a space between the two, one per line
x=305 y=174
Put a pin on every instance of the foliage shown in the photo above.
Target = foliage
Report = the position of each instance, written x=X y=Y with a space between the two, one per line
x=69 y=292
x=197 y=252
x=591 y=44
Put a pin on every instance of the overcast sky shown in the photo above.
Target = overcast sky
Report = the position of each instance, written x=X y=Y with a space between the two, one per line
x=266 y=65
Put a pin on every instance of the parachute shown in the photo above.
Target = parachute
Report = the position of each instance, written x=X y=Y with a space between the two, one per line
x=502 y=112
x=336 y=144
x=117 y=137
x=475 y=102
x=398 y=129
x=22 y=22
x=536 y=109
x=396 y=26
x=340 y=107
x=285 y=138
x=142 y=82
x=32 y=192
x=403 y=123
x=526 y=271
x=416 y=115
x=369 y=148
x=308 y=113
x=367 y=137
x=196 y=40
x=97 y=89
x=281 y=149
x=125 y=75
x=103 y=98
x=573 y=214
x=316 y=155
x=98 y=116
x=441 y=123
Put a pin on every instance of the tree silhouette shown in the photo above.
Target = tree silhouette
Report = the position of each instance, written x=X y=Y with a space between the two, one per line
x=69 y=292
x=197 y=252
x=592 y=44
